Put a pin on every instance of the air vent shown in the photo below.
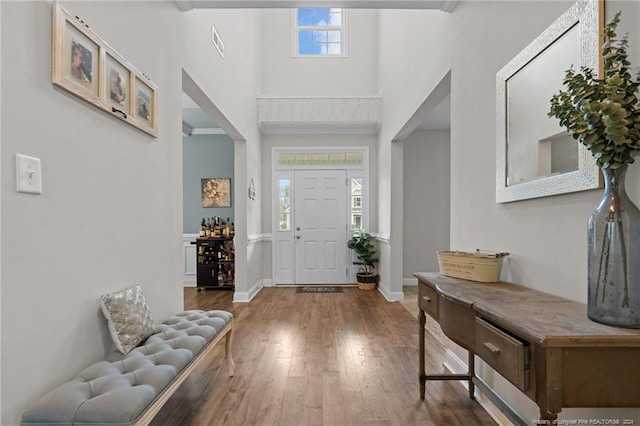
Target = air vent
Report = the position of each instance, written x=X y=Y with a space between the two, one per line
x=217 y=41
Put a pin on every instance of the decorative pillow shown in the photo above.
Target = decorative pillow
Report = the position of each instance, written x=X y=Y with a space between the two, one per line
x=129 y=317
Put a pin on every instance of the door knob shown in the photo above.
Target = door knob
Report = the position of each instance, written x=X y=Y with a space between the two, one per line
x=297 y=237
x=297 y=228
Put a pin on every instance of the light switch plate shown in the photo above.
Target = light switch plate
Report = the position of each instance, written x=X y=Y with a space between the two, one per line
x=28 y=174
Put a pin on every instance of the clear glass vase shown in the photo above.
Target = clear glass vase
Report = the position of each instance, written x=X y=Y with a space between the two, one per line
x=614 y=255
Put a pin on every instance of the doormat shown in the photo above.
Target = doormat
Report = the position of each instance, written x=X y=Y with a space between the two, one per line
x=319 y=289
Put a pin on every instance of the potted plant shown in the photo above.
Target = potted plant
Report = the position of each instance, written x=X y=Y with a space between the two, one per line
x=366 y=254
x=602 y=112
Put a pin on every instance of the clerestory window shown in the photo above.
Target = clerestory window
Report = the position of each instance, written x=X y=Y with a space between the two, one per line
x=319 y=31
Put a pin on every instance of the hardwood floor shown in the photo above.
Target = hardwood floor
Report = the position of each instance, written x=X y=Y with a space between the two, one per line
x=317 y=359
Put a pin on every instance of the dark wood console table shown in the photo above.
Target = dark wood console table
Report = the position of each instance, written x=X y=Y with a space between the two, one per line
x=543 y=344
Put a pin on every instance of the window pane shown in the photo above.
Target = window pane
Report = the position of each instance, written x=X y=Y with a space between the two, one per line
x=305 y=36
x=356 y=203
x=320 y=36
x=319 y=49
x=284 y=204
x=318 y=16
x=333 y=36
x=304 y=16
x=334 y=49
x=335 y=16
x=305 y=49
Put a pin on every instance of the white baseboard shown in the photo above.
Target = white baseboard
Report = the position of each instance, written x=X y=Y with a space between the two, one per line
x=243 y=297
x=410 y=282
x=456 y=366
x=267 y=282
x=391 y=296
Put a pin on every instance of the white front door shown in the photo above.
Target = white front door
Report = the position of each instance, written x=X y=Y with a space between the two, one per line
x=320 y=226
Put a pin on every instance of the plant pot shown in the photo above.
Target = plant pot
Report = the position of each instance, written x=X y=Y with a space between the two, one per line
x=367 y=280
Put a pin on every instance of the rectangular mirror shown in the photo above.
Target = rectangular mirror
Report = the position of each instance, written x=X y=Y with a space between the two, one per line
x=535 y=156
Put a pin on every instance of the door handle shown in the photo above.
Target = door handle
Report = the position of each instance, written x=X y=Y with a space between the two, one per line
x=297 y=228
x=297 y=237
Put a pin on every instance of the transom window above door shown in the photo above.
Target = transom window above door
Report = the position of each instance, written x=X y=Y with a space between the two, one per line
x=319 y=31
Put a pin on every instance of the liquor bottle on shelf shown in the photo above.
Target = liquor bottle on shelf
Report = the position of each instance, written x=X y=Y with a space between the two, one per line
x=202 y=228
x=227 y=228
x=218 y=227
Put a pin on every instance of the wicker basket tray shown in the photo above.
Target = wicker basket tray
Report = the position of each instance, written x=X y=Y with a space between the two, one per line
x=367 y=281
x=483 y=266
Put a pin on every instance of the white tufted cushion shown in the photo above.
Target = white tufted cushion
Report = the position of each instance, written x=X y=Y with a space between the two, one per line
x=117 y=390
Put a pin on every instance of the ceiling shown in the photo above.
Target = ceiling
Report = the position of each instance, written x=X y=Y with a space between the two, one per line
x=195 y=120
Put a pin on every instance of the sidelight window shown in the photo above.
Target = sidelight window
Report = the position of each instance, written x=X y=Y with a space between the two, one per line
x=284 y=205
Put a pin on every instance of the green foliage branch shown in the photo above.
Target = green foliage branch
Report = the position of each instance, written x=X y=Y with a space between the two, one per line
x=603 y=114
x=362 y=244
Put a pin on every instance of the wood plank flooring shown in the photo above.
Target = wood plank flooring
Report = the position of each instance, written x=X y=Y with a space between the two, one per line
x=317 y=359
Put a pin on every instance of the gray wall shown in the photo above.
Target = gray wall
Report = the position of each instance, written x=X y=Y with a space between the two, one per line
x=110 y=214
x=546 y=237
x=353 y=75
x=426 y=196
x=414 y=56
x=204 y=156
x=231 y=85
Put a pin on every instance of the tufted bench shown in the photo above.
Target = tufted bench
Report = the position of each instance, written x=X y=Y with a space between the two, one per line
x=130 y=389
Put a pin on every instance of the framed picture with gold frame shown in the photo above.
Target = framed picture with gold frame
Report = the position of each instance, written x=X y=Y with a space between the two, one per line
x=76 y=56
x=145 y=112
x=86 y=66
x=118 y=84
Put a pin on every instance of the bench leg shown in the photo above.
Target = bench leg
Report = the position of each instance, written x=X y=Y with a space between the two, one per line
x=227 y=352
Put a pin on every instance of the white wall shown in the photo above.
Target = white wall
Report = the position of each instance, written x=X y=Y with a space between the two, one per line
x=426 y=200
x=0 y=221
x=546 y=237
x=232 y=83
x=110 y=214
x=0 y=218
x=414 y=56
x=354 y=75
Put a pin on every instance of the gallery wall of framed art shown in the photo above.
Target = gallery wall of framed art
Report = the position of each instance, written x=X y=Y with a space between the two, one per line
x=86 y=66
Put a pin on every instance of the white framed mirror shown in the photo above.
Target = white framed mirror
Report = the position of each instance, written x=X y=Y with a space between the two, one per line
x=535 y=156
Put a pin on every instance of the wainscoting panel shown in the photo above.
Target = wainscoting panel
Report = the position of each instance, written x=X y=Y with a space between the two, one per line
x=189 y=258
